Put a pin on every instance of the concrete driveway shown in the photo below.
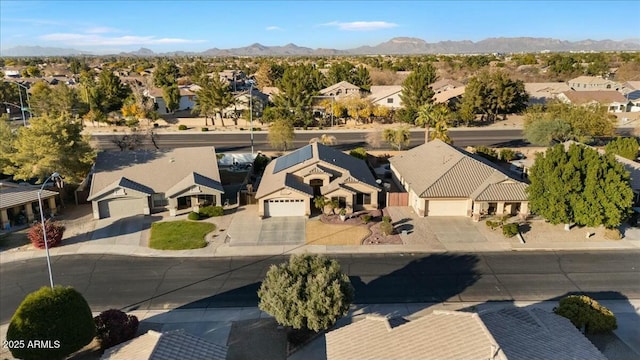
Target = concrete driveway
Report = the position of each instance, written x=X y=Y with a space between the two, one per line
x=455 y=230
x=247 y=228
x=124 y=231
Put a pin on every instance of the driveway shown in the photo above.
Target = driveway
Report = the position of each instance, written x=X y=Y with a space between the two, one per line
x=123 y=231
x=455 y=230
x=247 y=228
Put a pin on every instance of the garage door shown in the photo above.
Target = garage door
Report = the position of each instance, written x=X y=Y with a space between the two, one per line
x=284 y=207
x=447 y=208
x=119 y=208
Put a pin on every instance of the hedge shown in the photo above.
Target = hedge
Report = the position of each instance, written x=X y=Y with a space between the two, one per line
x=193 y=216
x=584 y=312
x=60 y=315
x=114 y=327
x=209 y=211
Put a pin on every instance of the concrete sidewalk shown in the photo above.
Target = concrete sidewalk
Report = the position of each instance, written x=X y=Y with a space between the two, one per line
x=215 y=324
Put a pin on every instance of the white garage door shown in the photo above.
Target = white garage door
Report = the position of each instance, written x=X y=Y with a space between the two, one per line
x=447 y=208
x=119 y=208
x=284 y=207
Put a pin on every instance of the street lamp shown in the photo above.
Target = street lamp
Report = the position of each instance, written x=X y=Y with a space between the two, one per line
x=26 y=90
x=251 y=114
x=58 y=180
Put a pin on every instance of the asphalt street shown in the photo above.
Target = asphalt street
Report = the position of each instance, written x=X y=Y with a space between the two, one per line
x=128 y=282
x=346 y=140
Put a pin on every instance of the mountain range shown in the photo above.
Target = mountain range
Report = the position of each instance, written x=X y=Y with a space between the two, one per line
x=395 y=46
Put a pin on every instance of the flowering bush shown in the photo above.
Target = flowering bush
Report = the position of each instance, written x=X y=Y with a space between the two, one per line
x=54 y=234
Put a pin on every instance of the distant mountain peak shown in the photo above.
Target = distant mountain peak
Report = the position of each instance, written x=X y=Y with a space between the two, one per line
x=404 y=40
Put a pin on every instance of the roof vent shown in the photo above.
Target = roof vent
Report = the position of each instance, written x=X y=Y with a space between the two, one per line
x=171 y=160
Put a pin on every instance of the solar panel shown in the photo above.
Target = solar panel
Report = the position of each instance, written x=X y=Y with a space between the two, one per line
x=294 y=158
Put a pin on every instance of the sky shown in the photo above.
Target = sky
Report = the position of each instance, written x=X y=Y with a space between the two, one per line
x=113 y=26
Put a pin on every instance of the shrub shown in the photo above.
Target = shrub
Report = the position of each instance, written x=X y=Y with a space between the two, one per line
x=492 y=224
x=132 y=123
x=257 y=129
x=366 y=218
x=241 y=129
x=54 y=234
x=343 y=212
x=182 y=127
x=359 y=153
x=114 y=327
x=193 y=216
x=386 y=219
x=307 y=292
x=209 y=211
x=507 y=155
x=585 y=312
x=386 y=227
x=205 y=129
x=486 y=152
x=612 y=234
x=510 y=230
x=60 y=315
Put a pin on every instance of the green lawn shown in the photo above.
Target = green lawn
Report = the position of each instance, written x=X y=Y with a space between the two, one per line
x=179 y=235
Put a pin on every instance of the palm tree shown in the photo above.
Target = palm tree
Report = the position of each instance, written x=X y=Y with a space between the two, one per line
x=324 y=139
x=398 y=138
x=320 y=202
x=440 y=132
x=430 y=115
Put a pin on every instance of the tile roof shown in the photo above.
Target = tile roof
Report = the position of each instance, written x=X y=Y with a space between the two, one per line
x=379 y=92
x=174 y=345
x=444 y=84
x=442 y=335
x=448 y=94
x=341 y=84
x=601 y=96
x=536 y=334
x=16 y=196
x=158 y=170
x=273 y=181
x=125 y=183
x=453 y=172
x=504 y=191
x=594 y=80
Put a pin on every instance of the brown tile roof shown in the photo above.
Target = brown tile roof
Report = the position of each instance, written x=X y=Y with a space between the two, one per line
x=159 y=170
x=184 y=91
x=166 y=346
x=602 y=96
x=341 y=84
x=16 y=196
x=320 y=154
x=442 y=335
x=453 y=172
x=449 y=94
x=536 y=334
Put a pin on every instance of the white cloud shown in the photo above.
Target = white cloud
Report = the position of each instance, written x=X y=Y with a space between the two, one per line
x=99 y=40
x=272 y=28
x=361 y=25
x=101 y=30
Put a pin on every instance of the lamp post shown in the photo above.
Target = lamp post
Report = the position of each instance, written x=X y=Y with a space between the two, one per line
x=26 y=90
x=58 y=180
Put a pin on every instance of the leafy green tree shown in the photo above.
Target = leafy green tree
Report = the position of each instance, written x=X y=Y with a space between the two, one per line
x=360 y=77
x=51 y=144
x=308 y=292
x=60 y=315
x=416 y=88
x=359 y=152
x=297 y=87
x=579 y=186
x=281 y=134
x=165 y=74
x=9 y=93
x=584 y=312
x=493 y=94
x=110 y=92
x=213 y=97
x=8 y=137
x=341 y=71
x=625 y=147
x=171 y=96
x=398 y=138
x=31 y=71
x=558 y=122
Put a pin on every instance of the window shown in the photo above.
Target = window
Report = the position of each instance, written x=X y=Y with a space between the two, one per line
x=342 y=201
x=390 y=101
x=363 y=199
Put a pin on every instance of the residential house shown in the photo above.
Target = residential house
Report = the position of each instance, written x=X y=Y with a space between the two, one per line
x=290 y=182
x=631 y=91
x=342 y=90
x=140 y=182
x=19 y=204
x=449 y=96
x=270 y=91
x=458 y=183
x=237 y=79
x=612 y=100
x=11 y=73
x=540 y=93
x=507 y=334
x=187 y=99
x=445 y=85
x=592 y=83
x=258 y=101
x=386 y=95
x=168 y=345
